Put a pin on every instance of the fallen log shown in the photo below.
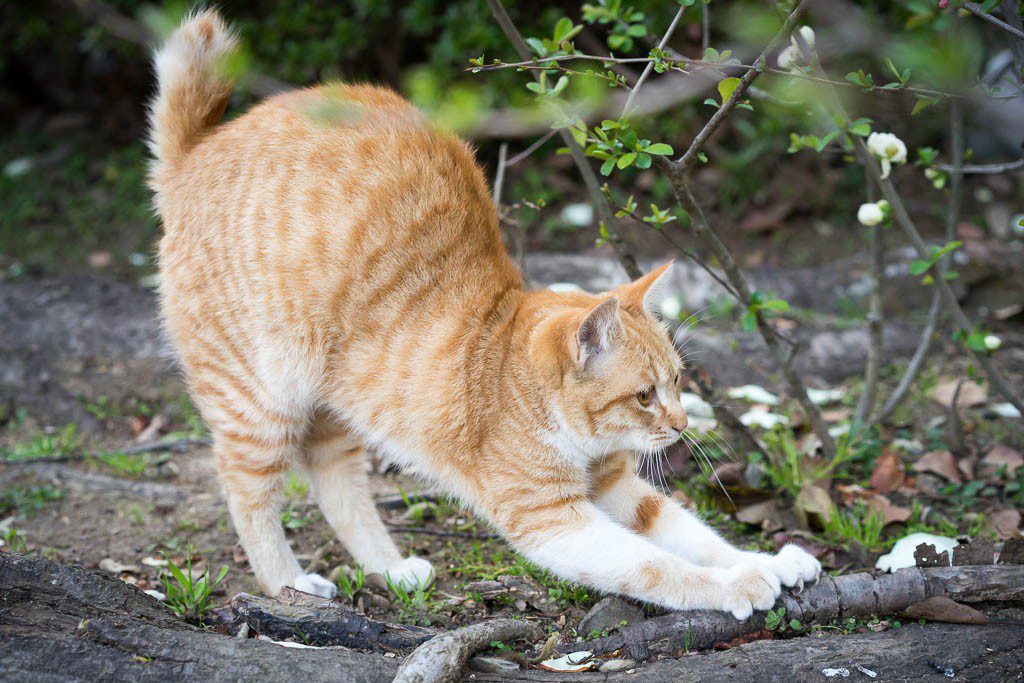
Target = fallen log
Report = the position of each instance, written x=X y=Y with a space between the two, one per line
x=319 y=622
x=830 y=599
x=64 y=623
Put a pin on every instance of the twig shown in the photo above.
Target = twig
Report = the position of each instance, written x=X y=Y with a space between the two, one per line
x=985 y=16
x=440 y=660
x=499 y=174
x=439 y=532
x=705 y=27
x=690 y=156
x=982 y=169
x=537 y=144
x=627 y=108
x=625 y=257
x=1012 y=15
x=876 y=322
x=916 y=362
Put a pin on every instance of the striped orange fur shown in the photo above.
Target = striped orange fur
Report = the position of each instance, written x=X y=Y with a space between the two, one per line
x=334 y=279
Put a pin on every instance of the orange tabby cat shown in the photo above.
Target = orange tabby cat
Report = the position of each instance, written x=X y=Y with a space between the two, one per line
x=333 y=278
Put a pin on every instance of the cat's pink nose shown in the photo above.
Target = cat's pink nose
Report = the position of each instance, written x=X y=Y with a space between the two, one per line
x=678 y=420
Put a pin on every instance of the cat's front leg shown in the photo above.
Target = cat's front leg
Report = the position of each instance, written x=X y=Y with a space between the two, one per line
x=579 y=542
x=618 y=490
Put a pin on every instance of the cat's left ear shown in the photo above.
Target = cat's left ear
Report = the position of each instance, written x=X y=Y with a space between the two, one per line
x=646 y=293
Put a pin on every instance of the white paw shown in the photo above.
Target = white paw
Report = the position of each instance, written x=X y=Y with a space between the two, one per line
x=410 y=574
x=314 y=584
x=794 y=566
x=747 y=587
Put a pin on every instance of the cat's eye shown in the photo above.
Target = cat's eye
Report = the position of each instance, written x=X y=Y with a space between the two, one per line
x=645 y=396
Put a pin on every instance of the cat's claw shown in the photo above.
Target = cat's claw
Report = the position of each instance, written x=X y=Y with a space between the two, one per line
x=314 y=584
x=410 y=574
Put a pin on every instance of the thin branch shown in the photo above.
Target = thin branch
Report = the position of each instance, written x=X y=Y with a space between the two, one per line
x=650 y=64
x=537 y=144
x=977 y=11
x=916 y=362
x=982 y=169
x=625 y=257
x=876 y=320
x=688 y=158
x=499 y=175
x=1012 y=16
x=705 y=27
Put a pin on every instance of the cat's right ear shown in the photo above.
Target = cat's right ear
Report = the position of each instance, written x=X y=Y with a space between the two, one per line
x=597 y=333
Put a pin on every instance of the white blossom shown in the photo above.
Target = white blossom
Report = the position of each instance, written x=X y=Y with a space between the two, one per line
x=992 y=342
x=888 y=149
x=808 y=35
x=790 y=58
x=870 y=214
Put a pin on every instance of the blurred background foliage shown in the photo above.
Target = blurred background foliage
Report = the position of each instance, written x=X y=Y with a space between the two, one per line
x=73 y=95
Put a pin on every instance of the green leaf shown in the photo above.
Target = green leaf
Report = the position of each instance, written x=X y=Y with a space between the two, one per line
x=607 y=166
x=749 y=321
x=626 y=160
x=923 y=102
x=919 y=267
x=643 y=160
x=659 y=148
x=727 y=86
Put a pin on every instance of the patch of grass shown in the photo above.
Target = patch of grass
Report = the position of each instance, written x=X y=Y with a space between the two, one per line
x=188 y=595
x=350 y=585
x=14 y=541
x=296 y=487
x=860 y=524
x=123 y=464
x=60 y=442
x=26 y=501
x=790 y=470
x=292 y=518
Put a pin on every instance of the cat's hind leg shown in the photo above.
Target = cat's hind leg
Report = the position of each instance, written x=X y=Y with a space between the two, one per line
x=251 y=472
x=336 y=462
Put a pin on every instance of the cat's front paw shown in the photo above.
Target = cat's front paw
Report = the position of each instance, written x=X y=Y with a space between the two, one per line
x=747 y=587
x=794 y=565
x=314 y=584
x=410 y=574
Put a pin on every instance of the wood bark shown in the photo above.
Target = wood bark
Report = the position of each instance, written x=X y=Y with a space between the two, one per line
x=830 y=599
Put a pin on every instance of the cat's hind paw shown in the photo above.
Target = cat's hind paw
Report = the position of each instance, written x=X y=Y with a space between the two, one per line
x=314 y=584
x=410 y=574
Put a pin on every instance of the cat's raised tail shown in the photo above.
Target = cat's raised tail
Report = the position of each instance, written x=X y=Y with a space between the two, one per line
x=193 y=85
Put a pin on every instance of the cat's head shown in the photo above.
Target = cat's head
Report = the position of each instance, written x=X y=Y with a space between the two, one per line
x=614 y=373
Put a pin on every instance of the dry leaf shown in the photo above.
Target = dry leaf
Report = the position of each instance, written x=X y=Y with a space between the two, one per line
x=815 y=503
x=835 y=415
x=941 y=608
x=765 y=515
x=971 y=393
x=888 y=474
x=1006 y=523
x=967 y=466
x=1001 y=455
x=941 y=463
x=890 y=513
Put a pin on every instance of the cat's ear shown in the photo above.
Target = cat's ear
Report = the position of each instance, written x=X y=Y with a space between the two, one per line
x=646 y=293
x=598 y=331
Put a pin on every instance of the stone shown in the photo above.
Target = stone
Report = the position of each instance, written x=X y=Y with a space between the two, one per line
x=608 y=614
x=613 y=665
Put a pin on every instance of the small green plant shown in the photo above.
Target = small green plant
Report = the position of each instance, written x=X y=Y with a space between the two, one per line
x=292 y=518
x=410 y=602
x=14 y=541
x=132 y=465
x=26 y=501
x=350 y=585
x=790 y=470
x=61 y=442
x=296 y=487
x=860 y=523
x=188 y=596
x=775 y=620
